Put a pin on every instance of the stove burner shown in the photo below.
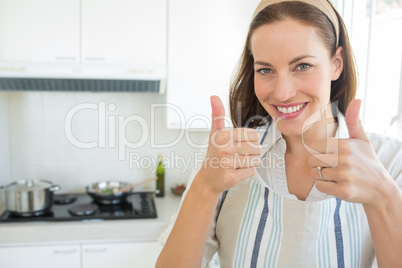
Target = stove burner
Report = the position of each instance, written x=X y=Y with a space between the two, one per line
x=139 y=205
x=64 y=199
x=83 y=209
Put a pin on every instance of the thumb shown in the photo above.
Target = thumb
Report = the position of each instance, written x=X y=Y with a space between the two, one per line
x=353 y=122
x=218 y=114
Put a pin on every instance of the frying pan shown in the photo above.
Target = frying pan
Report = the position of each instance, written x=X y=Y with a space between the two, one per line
x=112 y=192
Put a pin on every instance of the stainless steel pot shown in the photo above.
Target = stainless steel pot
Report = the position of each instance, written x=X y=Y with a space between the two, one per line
x=29 y=197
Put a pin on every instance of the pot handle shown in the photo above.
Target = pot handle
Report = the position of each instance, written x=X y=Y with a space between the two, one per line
x=54 y=188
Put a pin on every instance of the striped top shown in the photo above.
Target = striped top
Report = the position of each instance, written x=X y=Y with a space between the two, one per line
x=260 y=224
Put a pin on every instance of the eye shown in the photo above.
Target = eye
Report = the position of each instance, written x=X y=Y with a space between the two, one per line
x=303 y=66
x=264 y=71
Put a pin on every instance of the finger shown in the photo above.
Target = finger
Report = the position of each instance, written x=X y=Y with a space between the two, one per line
x=323 y=160
x=245 y=173
x=325 y=174
x=327 y=187
x=246 y=134
x=245 y=161
x=237 y=162
x=229 y=137
x=353 y=122
x=218 y=114
x=247 y=148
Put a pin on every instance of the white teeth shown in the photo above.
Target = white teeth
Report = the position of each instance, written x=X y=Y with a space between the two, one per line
x=290 y=109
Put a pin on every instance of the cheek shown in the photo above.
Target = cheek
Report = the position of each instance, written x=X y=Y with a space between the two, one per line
x=318 y=86
x=325 y=89
x=261 y=89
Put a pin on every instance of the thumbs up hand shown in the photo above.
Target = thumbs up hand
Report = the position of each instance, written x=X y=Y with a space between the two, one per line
x=358 y=176
x=355 y=128
x=232 y=153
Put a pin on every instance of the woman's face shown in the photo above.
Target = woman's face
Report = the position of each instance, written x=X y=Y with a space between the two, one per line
x=293 y=72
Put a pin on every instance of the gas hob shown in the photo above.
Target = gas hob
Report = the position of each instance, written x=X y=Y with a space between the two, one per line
x=80 y=207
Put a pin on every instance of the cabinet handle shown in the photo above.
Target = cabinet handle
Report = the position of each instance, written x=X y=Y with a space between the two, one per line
x=66 y=58
x=94 y=58
x=67 y=251
x=95 y=250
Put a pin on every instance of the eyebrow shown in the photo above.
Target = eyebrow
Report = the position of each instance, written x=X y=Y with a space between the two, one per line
x=290 y=63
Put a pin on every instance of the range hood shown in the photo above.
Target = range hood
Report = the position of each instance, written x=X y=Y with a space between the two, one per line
x=82 y=77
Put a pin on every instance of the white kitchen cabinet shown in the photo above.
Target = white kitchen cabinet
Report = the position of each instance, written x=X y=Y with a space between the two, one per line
x=205 y=43
x=130 y=254
x=84 y=31
x=66 y=256
x=122 y=255
x=39 y=31
x=124 y=31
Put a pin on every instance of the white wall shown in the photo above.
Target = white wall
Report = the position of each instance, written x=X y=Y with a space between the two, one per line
x=41 y=148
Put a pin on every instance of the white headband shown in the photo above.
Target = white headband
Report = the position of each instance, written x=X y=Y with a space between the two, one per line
x=323 y=5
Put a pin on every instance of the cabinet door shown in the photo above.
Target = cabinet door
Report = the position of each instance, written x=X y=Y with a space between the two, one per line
x=124 y=31
x=40 y=257
x=206 y=39
x=39 y=31
x=122 y=255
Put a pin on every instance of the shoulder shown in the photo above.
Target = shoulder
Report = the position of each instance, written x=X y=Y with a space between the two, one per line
x=382 y=142
x=389 y=152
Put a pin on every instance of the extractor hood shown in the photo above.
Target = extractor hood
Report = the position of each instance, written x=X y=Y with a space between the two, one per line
x=82 y=77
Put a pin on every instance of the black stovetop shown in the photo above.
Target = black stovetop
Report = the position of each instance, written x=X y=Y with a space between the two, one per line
x=139 y=205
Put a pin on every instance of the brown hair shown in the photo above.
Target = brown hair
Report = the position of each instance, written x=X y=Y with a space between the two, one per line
x=245 y=109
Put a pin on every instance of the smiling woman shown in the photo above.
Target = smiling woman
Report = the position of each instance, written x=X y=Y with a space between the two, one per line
x=286 y=86
x=344 y=88
x=336 y=200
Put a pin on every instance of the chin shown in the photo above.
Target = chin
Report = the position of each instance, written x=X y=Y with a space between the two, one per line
x=289 y=127
x=289 y=130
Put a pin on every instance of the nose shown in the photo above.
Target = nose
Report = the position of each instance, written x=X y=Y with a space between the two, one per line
x=284 y=89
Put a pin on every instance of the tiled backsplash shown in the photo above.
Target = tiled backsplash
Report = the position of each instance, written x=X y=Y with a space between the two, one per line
x=75 y=138
x=4 y=139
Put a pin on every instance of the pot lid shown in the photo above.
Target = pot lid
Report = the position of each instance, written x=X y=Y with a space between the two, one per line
x=29 y=185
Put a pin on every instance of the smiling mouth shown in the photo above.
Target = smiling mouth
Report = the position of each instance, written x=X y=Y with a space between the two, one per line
x=291 y=109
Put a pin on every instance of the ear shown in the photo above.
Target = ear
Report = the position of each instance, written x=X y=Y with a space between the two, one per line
x=337 y=63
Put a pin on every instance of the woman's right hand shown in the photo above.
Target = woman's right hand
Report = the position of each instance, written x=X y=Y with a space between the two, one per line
x=232 y=154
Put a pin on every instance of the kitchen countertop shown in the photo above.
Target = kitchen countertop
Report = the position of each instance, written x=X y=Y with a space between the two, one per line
x=102 y=231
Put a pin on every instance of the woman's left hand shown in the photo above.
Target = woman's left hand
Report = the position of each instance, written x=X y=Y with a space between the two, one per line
x=351 y=170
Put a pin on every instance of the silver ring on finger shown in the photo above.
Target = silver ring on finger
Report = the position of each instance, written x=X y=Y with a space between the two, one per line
x=319 y=173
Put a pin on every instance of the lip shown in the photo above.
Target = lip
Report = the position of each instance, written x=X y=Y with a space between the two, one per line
x=292 y=115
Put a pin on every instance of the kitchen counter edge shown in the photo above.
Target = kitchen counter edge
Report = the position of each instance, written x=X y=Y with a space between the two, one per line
x=103 y=231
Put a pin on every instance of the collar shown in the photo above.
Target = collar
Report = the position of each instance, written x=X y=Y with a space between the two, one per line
x=272 y=137
x=273 y=142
